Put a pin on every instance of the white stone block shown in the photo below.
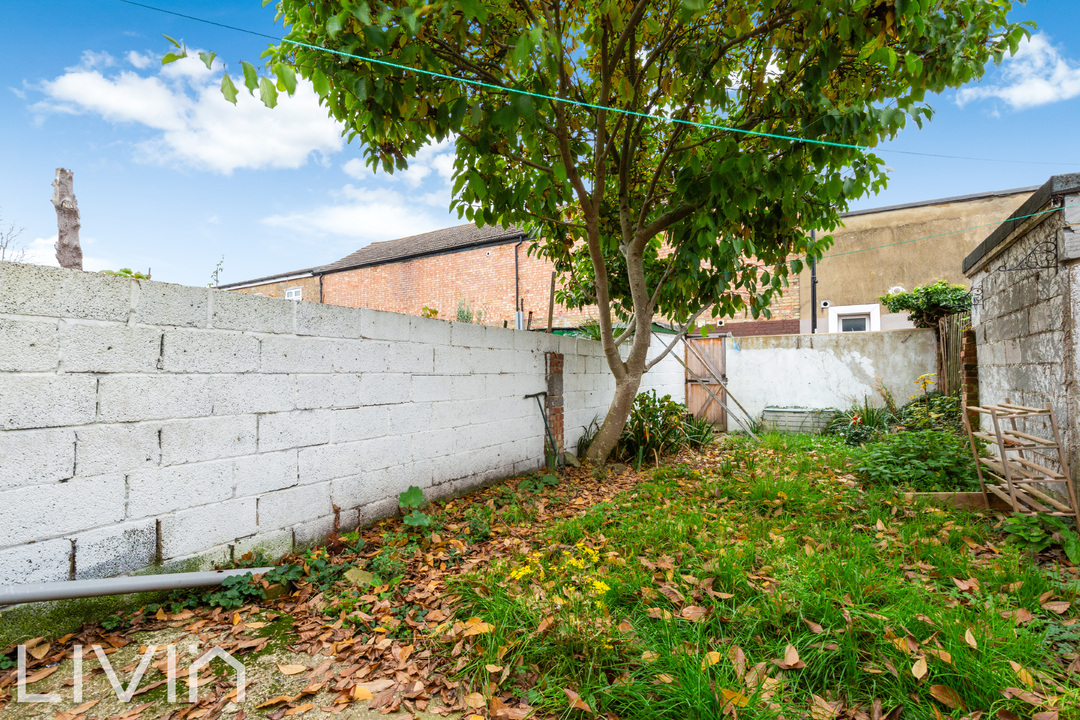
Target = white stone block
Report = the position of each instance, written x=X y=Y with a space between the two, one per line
x=453 y=360
x=36 y=457
x=115 y=550
x=467 y=387
x=430 y=444
x=48 y=561
x=201 y=528
x=299 y=428
x=353 y=424
x=56 y=292
x=429 y=330
x=290 y=354
x=200 y=439
x=387 y=389
x=328 y=320
x=527 y=341
x=503 y=338
x=253 y=393
x=39 y=401
x=314 y=532
x=354 y=491
x=377 y=510
x=47 y=511
x=158 y=303
x=408 y=357
x=359 y=356
x=108 y=347
x=272 y=545
x=253 y=313
x=468 y=335
x=209 y=351
x=286 y=508
x=409 y=418
x=379 y=325
x=265 y=472
x=328 y=462
x=381 y=452
x=102 y=449
x=28 y=345
x=431 y=388
x=162 y=490
x=330 y=390
x=128 y=398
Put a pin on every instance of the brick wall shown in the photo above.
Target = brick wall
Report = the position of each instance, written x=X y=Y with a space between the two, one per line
x=309 y=286
x=483 y=276
x=145 y=423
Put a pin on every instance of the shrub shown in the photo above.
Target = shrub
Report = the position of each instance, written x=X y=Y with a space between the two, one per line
x=926 y=305
x=657 y=426
x=924 y=460
x=862 y=423
x=933 y=412
x=466 y=313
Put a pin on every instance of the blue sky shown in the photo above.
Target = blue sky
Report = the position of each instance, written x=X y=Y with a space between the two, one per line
x=171 y=177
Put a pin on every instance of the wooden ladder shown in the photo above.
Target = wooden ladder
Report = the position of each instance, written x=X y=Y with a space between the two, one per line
x=1013 y=479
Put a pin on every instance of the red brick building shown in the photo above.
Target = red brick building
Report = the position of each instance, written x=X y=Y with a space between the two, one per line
x=488 y=268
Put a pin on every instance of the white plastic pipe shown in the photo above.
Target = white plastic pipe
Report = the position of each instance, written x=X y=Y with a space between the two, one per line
x=70 y=589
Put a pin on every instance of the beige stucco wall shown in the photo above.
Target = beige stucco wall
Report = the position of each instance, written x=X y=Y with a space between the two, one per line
x=859 y=278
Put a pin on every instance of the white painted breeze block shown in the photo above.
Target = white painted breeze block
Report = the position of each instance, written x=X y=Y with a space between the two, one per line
x=145 y=423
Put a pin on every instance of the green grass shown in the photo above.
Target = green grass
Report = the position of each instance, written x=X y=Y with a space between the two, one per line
x=785 y=531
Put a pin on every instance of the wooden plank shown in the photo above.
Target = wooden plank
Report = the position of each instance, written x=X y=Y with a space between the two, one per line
x=1031 y=502
x=1049 y=500
x=1042 y=442
x=1025 y=408
x=1037 y=468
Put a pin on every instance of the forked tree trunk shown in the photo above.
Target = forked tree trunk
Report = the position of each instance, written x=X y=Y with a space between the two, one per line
x=68 y=251
x=625 y=391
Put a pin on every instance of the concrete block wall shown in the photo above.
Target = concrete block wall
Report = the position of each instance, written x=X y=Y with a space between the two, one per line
x=1026 y=327
x=144 y=424
x=830 y=370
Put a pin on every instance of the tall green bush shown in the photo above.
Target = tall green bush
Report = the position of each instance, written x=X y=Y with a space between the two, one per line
x=928 y=304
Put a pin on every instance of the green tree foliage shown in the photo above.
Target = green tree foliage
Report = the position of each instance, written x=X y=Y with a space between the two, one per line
x=642 y=209
x=926 y=305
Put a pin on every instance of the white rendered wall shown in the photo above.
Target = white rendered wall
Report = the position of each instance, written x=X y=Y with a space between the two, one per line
x=143 y=423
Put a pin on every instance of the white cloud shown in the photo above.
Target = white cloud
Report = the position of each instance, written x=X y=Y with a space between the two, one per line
x=194 y=124
x=367 y=214
x=434 y=160
x=140 y=60
x=42 y=251
x=1036 y=75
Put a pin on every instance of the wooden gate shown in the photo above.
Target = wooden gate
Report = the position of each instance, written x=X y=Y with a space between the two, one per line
x=706 y=360
x=950 y=332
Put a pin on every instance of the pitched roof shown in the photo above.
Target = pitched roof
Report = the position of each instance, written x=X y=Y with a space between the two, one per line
x=306 y=272
x=431 y=243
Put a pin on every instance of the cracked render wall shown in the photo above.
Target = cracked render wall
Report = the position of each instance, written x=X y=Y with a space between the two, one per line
x=145 y=424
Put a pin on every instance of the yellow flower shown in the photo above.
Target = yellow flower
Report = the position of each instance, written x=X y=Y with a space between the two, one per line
x=600 y=587
x=521 y=572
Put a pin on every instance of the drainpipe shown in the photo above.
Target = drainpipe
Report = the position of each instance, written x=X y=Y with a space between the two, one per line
x=519 y=310
x=71 y=589
x=320 y=287
x=813 y=291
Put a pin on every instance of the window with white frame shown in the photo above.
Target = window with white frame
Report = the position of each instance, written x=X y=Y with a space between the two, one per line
x=854 y=318
x=294 y=293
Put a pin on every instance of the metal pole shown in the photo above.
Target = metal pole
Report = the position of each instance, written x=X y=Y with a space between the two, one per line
x=71 y=589
x=547 y=428
x=813 y=290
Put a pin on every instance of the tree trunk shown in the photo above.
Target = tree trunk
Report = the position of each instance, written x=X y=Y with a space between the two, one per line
x=603 y=443
x=68 y=251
